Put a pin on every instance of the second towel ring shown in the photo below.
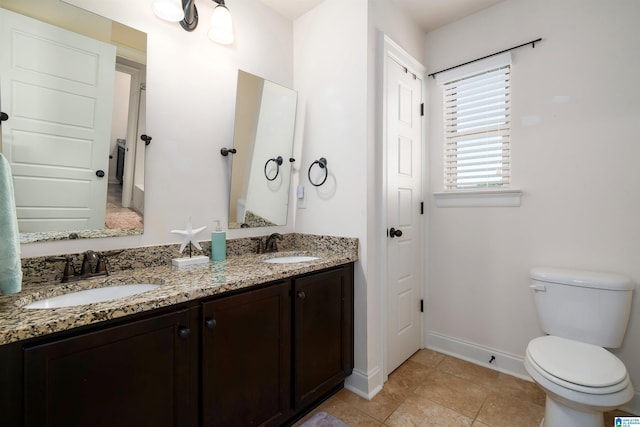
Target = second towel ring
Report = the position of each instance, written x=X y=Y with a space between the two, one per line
x=278 y=161
x=322 y=162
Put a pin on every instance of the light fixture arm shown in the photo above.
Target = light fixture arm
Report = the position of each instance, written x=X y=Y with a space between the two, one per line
x=185 y=12
x=190 y=21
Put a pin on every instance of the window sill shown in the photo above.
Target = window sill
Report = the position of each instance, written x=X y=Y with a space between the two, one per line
x=478 y=198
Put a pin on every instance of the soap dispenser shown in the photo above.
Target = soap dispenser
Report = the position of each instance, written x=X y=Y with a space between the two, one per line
x=218 y=243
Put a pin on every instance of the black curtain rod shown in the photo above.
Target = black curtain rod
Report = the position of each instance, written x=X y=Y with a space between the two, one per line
x=532 y=43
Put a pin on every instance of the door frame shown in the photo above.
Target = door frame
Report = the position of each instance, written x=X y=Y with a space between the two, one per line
x=392 y=51
x=135 y=72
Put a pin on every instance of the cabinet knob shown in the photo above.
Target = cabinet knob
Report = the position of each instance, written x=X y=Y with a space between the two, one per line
x=210 y=323
x=301 y=295
x=184 y=333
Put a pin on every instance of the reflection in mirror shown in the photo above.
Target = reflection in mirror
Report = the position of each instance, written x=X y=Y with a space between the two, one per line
x=72 y=84
x=263 y=139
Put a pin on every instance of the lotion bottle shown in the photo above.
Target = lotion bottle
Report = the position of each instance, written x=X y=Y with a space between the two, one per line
x=218 y=244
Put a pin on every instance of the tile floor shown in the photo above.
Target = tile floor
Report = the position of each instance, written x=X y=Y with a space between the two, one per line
x=432 y=389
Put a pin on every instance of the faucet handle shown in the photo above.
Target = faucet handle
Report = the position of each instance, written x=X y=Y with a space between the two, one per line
x=69 y=269
x=101 y=266
x=260 y=248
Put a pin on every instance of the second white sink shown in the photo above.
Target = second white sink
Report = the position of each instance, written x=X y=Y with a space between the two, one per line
x=90 y=296
x=290 y=259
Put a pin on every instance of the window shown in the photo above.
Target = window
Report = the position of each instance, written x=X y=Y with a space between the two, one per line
x=477 y=115
x=477 y=124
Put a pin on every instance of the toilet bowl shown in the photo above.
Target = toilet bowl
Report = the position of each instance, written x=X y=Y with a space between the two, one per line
x=582 y=312
x=581 y=381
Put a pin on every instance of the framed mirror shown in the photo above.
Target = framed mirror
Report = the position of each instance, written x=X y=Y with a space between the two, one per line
x=261 y=166
x=73 y=86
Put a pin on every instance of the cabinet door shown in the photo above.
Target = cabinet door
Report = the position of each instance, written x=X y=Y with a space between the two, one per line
x=246 y=361
x=136 y=374
x=323 y=333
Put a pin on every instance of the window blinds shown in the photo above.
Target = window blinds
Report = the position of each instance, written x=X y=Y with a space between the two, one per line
x=477 y=127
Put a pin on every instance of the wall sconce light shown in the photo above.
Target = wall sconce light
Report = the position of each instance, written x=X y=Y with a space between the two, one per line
x=185 y=12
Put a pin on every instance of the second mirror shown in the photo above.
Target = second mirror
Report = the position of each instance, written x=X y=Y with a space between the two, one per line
x=263 y=140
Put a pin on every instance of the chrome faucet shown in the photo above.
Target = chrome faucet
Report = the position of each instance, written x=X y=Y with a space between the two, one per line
x=271 y=244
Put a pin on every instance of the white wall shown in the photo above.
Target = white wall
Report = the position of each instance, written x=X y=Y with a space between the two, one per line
x=386 y=17
x=191 y=85
x=575 y=152
x=330 y=69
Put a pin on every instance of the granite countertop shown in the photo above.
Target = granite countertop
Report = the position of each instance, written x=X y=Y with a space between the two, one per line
x=177 y=285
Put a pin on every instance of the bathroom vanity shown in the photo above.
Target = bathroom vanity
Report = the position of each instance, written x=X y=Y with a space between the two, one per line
x=237 y=342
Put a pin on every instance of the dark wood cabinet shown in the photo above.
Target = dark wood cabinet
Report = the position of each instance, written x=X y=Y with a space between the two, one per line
x=246 y=348
x=135 y=374
x=260 y=357
x=270 y=354
x=322 y=333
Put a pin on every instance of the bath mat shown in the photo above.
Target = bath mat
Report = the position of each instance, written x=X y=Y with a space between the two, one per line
x=323 y=419
x=123 y=220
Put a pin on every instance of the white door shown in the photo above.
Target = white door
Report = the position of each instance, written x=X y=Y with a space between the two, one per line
x=404 y=221
x=57 y=88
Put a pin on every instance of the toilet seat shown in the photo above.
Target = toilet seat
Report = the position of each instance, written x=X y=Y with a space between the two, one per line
x=577 y=366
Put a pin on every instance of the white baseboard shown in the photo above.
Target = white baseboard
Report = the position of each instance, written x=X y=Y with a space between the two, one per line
x=364 y=385
x=504 y=362
x=480 y=355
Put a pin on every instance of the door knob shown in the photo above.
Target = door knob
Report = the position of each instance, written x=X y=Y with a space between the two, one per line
x=301 y=295
x=3 y=116
x=100 y=173
x=210 y=323
x=394 y=233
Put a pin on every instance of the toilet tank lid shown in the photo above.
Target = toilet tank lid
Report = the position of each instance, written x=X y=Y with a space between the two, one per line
x=584 y=278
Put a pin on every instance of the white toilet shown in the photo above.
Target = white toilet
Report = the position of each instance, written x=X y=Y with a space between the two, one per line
x=582 y=311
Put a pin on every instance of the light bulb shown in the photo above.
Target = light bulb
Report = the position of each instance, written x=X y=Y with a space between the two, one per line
x=221 y=30
x=169 y=10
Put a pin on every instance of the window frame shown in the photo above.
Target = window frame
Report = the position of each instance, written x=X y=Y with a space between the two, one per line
x=489 y=190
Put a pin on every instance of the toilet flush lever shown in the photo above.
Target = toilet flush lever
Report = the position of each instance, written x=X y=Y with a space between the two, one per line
x=538 y=288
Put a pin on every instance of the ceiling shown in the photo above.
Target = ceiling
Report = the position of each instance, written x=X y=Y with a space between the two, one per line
x=429 y=14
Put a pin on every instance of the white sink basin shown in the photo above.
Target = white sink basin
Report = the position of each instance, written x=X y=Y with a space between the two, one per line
x=90 y=296
x=290 y=259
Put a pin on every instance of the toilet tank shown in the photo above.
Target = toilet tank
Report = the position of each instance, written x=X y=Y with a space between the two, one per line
x=582 y=305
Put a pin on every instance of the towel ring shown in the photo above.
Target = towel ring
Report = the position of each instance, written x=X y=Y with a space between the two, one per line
x=322 y=162
x=278 y=161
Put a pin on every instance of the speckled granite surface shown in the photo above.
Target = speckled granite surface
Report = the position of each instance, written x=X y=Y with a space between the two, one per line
x=242 y=269
x=80 y=234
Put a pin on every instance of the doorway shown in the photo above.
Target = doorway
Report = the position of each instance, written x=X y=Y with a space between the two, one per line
x=126 y=158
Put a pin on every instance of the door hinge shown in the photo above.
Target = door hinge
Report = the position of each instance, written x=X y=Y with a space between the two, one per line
x=421 y=208
x=421 y=306
x=422 y=109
